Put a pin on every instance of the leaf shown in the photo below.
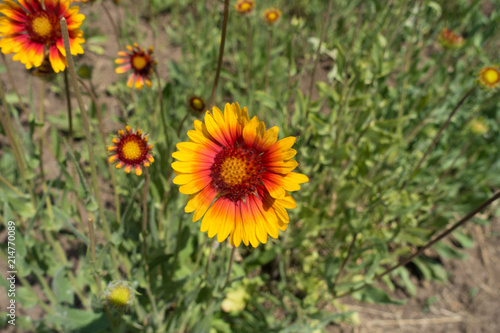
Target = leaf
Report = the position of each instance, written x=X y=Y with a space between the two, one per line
x=62 y=288
x=371 y=294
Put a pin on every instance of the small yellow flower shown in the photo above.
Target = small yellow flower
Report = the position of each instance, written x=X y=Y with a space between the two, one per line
x=489 y=77
x=479 y=126
x=272 y=15
x=197 y=105
x=450 y=40
x=244 y=6
x=118 y=295
x=132 y=150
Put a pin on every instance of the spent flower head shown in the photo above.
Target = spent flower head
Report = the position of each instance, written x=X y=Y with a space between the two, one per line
x=489 y=77
x=238 y=176
x=32 y=30
x=140 y=62
x=132 y=150
x=450 y=40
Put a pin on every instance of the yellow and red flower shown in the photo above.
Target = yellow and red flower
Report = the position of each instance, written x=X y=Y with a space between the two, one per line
x=489 y=77
x=244 y=6
x=272 y=15
x=238 y=176
x=140 y=61
x=30 y=30
x=449 y=39
x=132 y=150
x=196 y=104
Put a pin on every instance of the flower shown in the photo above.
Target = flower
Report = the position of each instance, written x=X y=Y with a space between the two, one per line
x=140 y=62
x=197 y=104
x=132 y=150
x=118 y=295
x=450 y=40
x=235 y=163
x=489 y=77
x=272 y=15
x=31 y=31
x=244 y=6
x=479 y=126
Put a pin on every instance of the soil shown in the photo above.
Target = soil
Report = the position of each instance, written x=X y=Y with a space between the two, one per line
x=467 y=302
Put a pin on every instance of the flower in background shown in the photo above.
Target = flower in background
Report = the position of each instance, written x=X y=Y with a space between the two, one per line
x=450 y=40
x=238 y=176
x=31 y=31
x=244 y=6
x=272 y=15
x=489 y=77
x=118 y=295
x=196 y=104
x=131 y=150
x=479 y=126
x=141 y=63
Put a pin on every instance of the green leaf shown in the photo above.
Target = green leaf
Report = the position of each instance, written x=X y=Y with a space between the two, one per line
x=371 y=294
x=62 y=287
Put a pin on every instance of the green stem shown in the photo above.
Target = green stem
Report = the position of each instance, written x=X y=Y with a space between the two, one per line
x=438 y=135
x=86 y=127
x=268 y=63
x=428 y=245
x=104 y=141
x=221 y=53
x=316 y=60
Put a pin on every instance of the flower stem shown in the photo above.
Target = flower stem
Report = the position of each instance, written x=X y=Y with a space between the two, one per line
x=230 y=268
x=69 y=108
x=104 y=141
x=92 y=253
x=221 y=52
x=113 y=24
x=6 y=122
x=268 y=63
x=12 y=82
x=438 y=135
x=249 y=51
x=445 y=233
x=316 y=60
x=344 y=262
x=86 y=127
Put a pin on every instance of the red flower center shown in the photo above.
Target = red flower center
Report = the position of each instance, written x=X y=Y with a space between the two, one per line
x=43 y=27
x=236 y=172
x=132 y=149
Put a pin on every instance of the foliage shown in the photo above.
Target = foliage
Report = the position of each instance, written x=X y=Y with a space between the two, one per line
x=382 y=89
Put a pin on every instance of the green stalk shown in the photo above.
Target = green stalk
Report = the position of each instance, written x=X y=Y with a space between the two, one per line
x=316 y=60
x=104 y=141
x=429 y=244
x=86 y=127
x=221 y=53
x=6 y=122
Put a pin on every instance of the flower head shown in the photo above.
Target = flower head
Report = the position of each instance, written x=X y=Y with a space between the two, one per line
x=489 y=77
x=141 y=63
x=272 y=15
x=238 y=176
x=118 y=295
x=450 y=40
x=131 y=150
x=196 y=104
x=479 y=126
x=31 y=31
x=244 y=6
